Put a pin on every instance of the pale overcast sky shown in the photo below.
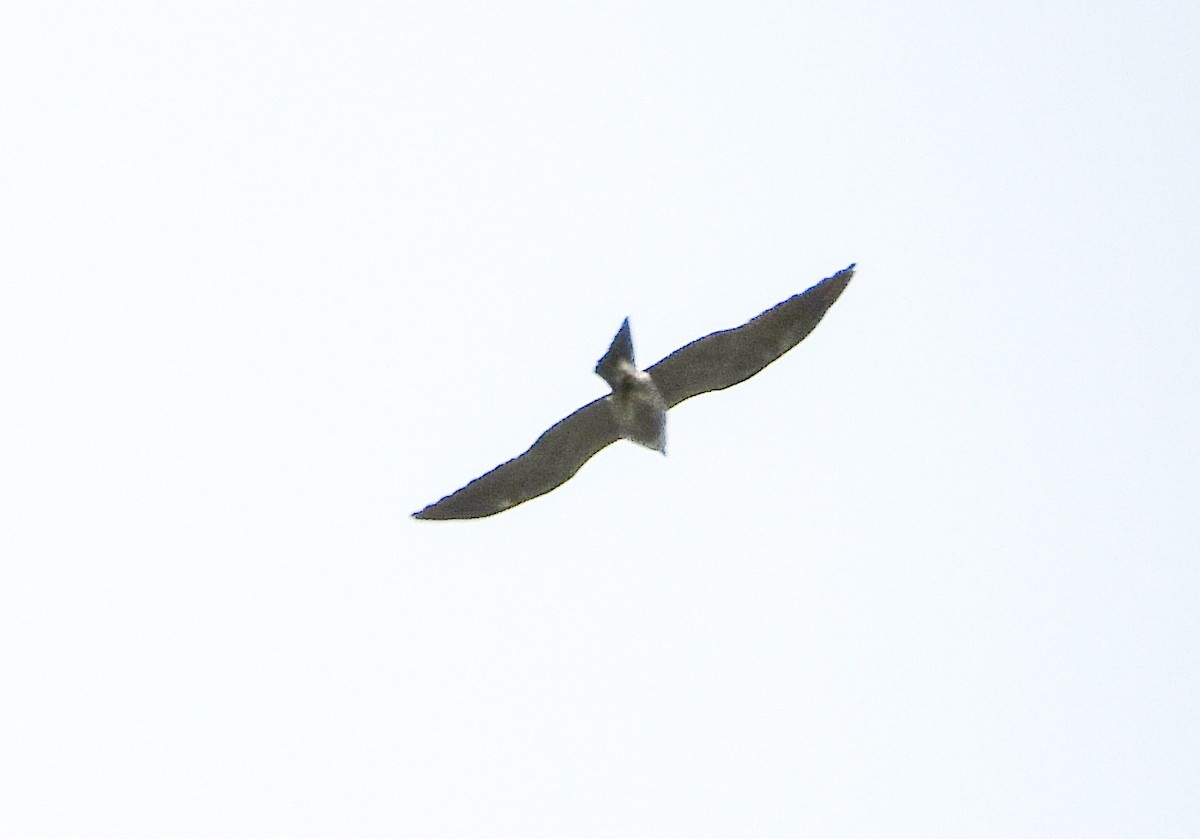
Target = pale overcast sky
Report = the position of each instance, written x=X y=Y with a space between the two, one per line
x=275 y=275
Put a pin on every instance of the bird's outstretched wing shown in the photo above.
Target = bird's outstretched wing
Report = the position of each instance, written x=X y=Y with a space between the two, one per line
x=714 y=362
x=725 y=358
x=552 y=459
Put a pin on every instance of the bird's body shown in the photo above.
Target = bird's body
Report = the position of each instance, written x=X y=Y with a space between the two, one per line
x=640 y=411
x=637 y=407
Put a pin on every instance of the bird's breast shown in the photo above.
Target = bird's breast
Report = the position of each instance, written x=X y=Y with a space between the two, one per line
x=640 y=410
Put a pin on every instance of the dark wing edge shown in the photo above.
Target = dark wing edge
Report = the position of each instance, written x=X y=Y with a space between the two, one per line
x=549 y=462
x=725 y=358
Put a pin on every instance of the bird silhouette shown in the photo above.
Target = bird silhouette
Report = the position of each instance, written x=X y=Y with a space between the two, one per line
x=637 y=407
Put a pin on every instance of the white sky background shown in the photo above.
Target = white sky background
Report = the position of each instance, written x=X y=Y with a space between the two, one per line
x=273 y=276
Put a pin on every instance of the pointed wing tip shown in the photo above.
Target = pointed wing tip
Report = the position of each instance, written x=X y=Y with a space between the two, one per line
x=831 y=288
x=432 y=513
x=843 y=276
x=429 y=514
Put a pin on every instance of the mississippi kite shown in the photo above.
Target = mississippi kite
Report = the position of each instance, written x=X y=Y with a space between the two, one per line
x=637 y=407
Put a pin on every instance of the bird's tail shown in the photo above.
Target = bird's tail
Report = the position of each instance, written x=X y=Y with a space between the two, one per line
x=618 y=361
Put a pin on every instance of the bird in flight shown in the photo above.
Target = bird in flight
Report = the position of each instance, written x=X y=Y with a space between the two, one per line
x=637 y=407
